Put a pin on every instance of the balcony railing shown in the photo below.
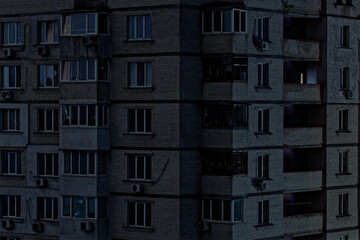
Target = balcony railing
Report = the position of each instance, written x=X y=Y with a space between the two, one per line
x=297 y=48
x=303 y=136
x=303 y=224
x=295 y=180
x=302 y=92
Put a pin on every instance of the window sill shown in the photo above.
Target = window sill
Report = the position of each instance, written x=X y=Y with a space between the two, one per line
x=342 y=131
x=53 y=177
x=48 y=133
x=224 y=33
x=343 y=174
x=262 y=133
x=152 y=135
x=139 y=41
x=18 y=176
x=15 y=219
x=11 y=132
x=344 y=5
x=141 y=181
x=49 y=221
x=46 y=89
x=222 y=221
x=138 y=229
x=343 y=216
x=226 y=128
x=50 y=44
x=83 y=81
x=140 y=88
x=262 y=88
x=263 y=225
x=345 y=48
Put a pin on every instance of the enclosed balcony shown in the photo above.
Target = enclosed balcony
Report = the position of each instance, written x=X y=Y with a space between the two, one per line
x=303 y=213
x=301 y=81
x=301 y=38
x=303 y=125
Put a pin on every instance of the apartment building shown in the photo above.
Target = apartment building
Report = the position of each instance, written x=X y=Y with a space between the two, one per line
x=179 y=119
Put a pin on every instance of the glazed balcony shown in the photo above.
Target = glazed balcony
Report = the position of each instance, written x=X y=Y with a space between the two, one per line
x=99 y=185
x=303 y=224
x=294 y=181
x=91 y=138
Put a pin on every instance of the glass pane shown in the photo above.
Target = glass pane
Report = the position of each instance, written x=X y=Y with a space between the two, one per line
x=56 y=76
x=140 y=214
x=6 y=33
x=12 y=205
x=207 y=21
x=79 y=207
x=49 y=207
x=56 y=31
x=101 y=114
x=83 y=163
x=243 y=22
x=18 y=169
x=40 y=207
x=75 y=162
x=19 y=33
x=102 y=207
x=91 y=70
x=41 y=163
x=140 y=120
x=148 y=214
x=78 y=23
x=102 y=69
x=148 y=120
x=236 y=21
x=49 y=32
x=139 y=27
x=82 y=115
x=237 y=210
x=131 y=118
x=91 y=117
x=55 y=208
x=41 y=120
x=12 y=33
x=67 y=162
x=227 y=21
x=65 y=115
x=49 y=75
x=131 y=27
x=12 y=162
x=18 y=206
x=132 y=71
x=91 y=163
x=18 y=76
x=91 y=207
x=49 y=164
x=140 y=167
x=206 y=208
x=42 y=75
x=131 y=166
x=73 y=70
x=217 y=21
x=227 y=210
x=147 y=27
x=102 y=23
x=56 y=166
x=216 y=209
x=43 y=32
x=148 y=74
x=66 y=206
x=49 y=119
x=148 y=167
x=5 y=205
x=82 y=69
x=131 y=213
x=74 y=115
x=56 y=119
x=91 y=23
x=140 y=74
x=6 y=75
x=12 y=76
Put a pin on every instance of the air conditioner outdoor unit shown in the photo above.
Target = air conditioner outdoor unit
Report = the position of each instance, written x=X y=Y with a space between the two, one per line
x=264 y=46
x=7 y=95
x=40 y=182
x=42 y=50
x=203 y=226
x=38 y=227
x=8 y=52
x=137 y=188
x=7 y=224
x=264 y=186
x=348 y=94
x=86 y=226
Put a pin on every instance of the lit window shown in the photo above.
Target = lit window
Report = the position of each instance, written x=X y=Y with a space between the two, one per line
x=140 y=74
x=49 y=32
x=84 y=163
x=48 y=76
x=343 y=161
x=263 y=212
x=263 y=75
x=263 y=166
x=48 y=164
x=85 y=115
x=85 y=24
x=12 y=33
x=344 y=204
x=139 y=120
x=11 y=76
x=344 y=36
x=10 y=119
x=344 y=78
x=222 y=210
x=343 y=120
x=139 y=214
x=231 y=20
x=263 y=120
x=84 y=207
x=11 y=163
x=139 y=167
x=139 y=27
x=11 y=206
x=47 y=208
x=85 y=70
x=48 y=120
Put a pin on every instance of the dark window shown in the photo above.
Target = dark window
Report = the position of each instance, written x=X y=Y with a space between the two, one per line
x=225 y=163
x=343 y=120
x=48 y=32
x=12 y=33
x=263 y=75
x=344 y=36
x=11 y=163
x=48 y=164
x=344 y=204
x=263 y=166
x=263 y=212
x=139 y=27
x=139 y=120
x=343 y=161
x=11 y=76
x=139 y=167
x=225 y=115
x=47 y=208
x=225 y=69
x=263 y=120
x=139 y=214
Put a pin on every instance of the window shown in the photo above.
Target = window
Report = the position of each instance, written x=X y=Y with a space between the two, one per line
x=47 y=208
x=343 y=120
x=263 y=120
x=48 y=120
x=10 y=238
x=10 y=119
x=11 y=76
x=140 y=74
x=230 y=20
x=11 y=163
x=84 y=163
x=263 y=75
x=344 y=36
x=85 y=70
x=345 y=237
x=343 y=161
x=344 y=204
x=222 y=210
x=48 y=76
x=344 y=2
x=139 y=27
x=12 y=33
x=84 y=207
x=225 y=115
x=344 y=78
x=139 y=167
x=263 y=212
x=225 y=163
x=85 y=24
x=85 y=115
x=49 y=32
x=219 y=69
x=48 y=164
x=11 y=206
x=139 y=214
x=263 y=166
x=139 y=120
x=263 y=29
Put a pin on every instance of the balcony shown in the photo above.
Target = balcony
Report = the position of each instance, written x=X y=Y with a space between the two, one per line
x=303 y=136
x=224 y=138
x=85 y=46
x=303 y=7
x=90 y=138
x=304 y=224
x=226 y=91
x=99 y=185
x=298 y=48
x=225 y=185
x=297 y=92
x=294 y=181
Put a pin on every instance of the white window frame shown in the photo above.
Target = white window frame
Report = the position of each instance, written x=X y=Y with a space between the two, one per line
x=16 y=155
x=45 y=66
x=17 y=25
x=232 y=210
x=136 y=159
x=262 y=120
x=136 y=38
x=53 y=115
x=43 y=24
x=147 y=82
x=135 y=214
x=6 y=79
x=343 y=120
x=16 y=120
x=222 y=21
x=136 y=125
x=97 y=124
x=67 y=22
x=343 y=204
x=65 y=77
x=44 y=207
x=17 y=199
x=262 y=213
x=86 y=207
x=45 y=163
